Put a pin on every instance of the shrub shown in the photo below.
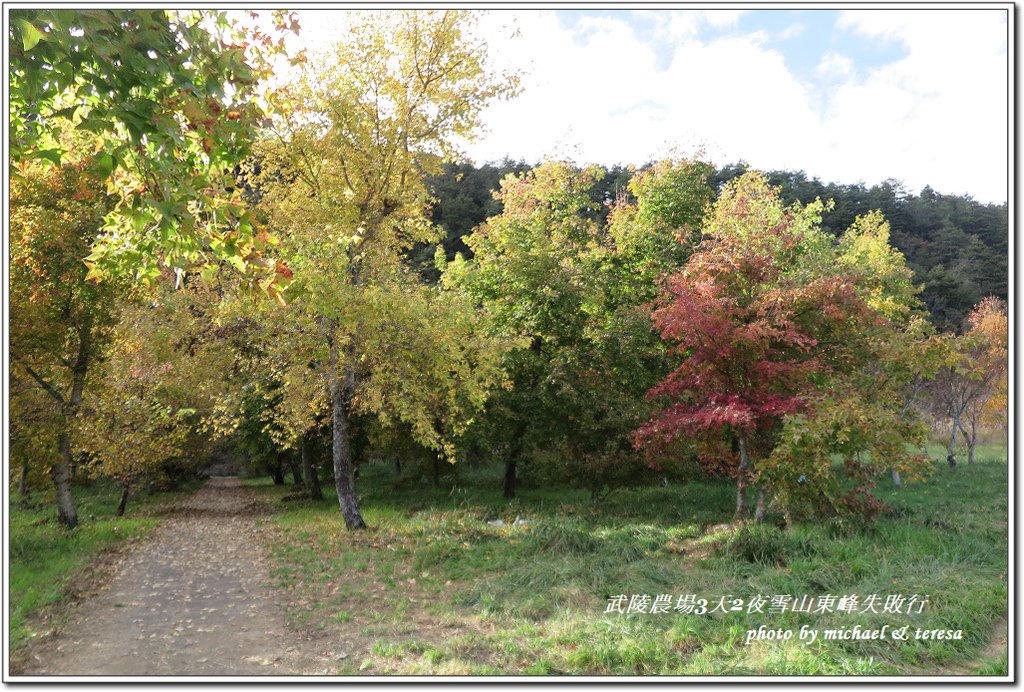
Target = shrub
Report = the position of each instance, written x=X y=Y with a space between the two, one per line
x=765 y=544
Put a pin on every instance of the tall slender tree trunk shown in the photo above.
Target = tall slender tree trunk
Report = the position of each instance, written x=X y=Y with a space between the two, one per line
x=344 y=480
x=951 y=448
x=60 y=471
x=437 y=471
x=508 y=486
x=970 y=438
x=398 y=466
x=23 y=482
x=741 y=478
x=293 y=466
x=312 y=479
x=762 y=504
x=123 y=502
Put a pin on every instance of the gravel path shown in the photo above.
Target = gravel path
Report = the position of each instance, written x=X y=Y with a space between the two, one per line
x=192 y=600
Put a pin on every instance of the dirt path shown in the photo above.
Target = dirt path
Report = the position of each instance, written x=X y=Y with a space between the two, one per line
x=192 y=600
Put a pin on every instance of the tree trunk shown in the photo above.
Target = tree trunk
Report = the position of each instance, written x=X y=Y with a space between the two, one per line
x=344 y=480
x=761 y=507
x=951 y=449
x=970 y=438
x=515 y=451
x=508 y=488
x=398 y=466
x=23 y=482
x=61 y=474
x=312 y=479
x=125 y=489
x=277 y=472
x=60 y=471
x=293 y=466
x=741 y=479
x=437 y=472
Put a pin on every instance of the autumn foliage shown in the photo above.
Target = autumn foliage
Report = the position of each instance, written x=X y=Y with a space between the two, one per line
x=766 y=323
x=196 y=254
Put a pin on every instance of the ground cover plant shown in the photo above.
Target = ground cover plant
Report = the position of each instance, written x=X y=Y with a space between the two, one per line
x=436 y=589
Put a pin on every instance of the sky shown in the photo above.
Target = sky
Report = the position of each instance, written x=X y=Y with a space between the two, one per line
x=848 y=96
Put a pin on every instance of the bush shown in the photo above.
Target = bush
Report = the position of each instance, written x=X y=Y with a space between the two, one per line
x=766 y=545
x=840 y=494
x=598 y=473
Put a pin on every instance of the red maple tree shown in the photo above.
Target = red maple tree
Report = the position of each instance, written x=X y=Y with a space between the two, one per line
x=754 y=335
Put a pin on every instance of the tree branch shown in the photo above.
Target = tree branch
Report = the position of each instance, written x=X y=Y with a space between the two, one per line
x=53 y=391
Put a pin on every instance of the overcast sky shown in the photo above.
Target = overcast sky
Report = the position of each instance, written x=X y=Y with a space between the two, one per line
x=845 y=95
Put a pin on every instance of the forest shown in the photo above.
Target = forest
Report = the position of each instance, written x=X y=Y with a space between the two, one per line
x=955 y=246
x=212 y=273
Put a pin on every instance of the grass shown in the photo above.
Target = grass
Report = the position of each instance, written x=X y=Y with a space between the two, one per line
x=432 y=588
x=48 y=565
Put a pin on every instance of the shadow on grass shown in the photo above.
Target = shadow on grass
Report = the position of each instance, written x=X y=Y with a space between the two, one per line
x=538 y=592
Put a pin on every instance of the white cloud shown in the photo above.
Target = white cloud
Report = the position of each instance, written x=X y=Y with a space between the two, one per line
x=834 y=66
x=614 y=89
x=723 y=18
x=683 y=24
x=732 y=97
x=791 y=31
x=577 y=90
x=937 y=116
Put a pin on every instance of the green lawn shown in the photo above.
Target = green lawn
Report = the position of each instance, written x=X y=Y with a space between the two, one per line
x=47 y=563
x=433 y=589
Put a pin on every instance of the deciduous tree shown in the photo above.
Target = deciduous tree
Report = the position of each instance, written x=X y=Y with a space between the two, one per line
x=343 y=177
x=988 y=321
x=973 y=377
x=778 y=329
x=549 y=271
x=174 y=99
x=59 y=322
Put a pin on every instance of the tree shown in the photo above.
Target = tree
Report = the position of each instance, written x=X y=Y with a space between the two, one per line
x=548 y=271
x=988 y=321
x=343 y=177
x=864 y=415
x=655 y=234
x=173 y=97
x=31 y=432
x=956 y=247
x=129 y=432
x=461 y=199
x=740 y=323
x=527 y=273
x=907 y=351
x=955 y=388
x=60 y=323
x=153 y=390
x=973 y=377
x=775 y=329
x=257 y=428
